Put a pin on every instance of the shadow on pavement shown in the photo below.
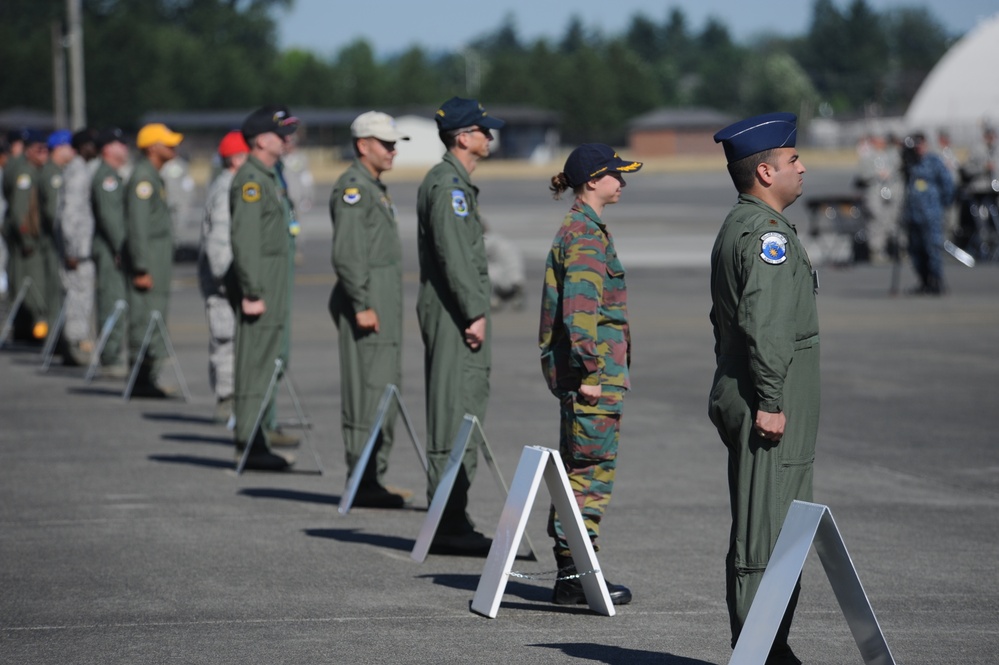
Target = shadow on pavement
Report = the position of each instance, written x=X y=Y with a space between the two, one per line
x=197 y=438
x=181 y=417
x=356 y=536
x=210 y=462
x=612 y=655
x=290 y=495
x=96 y=390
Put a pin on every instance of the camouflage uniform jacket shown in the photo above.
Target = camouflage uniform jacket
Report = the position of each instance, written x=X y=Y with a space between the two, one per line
x=215 y=256
x=75 y=226
x=584 y=334
x=107 y=199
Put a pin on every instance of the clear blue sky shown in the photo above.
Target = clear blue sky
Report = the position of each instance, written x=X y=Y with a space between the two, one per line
x=391 y=26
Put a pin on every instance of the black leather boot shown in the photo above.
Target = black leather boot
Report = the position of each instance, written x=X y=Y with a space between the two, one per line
x=570 y=591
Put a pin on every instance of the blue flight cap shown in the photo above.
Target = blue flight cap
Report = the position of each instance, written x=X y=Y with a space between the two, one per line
x=593 y=160
x=60 y=137
x=32 y=136
x=763 y=132
x=456 y=113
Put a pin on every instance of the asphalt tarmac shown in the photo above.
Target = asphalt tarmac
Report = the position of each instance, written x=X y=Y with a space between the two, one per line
x=126 y=537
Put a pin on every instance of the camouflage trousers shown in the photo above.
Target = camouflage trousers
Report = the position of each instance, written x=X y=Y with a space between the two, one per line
x=79 y=286
x=221 y=348
x=588 y=446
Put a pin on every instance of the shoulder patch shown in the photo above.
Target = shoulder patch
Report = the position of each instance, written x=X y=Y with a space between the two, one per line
x=56 y=181
x=144 y=190
x=458 y=203
x=24 y=181
x=774 y=248
x=251 y=192
x=110 y=184
x=351 y=195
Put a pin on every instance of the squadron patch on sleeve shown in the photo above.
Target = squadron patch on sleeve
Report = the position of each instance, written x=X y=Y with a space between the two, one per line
x=351 y=195
x=110 y=184
x=458 y=203
x=251 y=192
x=774 y=247
x=144 y=190
x=24 y=181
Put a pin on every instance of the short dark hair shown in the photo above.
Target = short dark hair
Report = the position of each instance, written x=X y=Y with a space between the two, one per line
x=743 y=172
x=449 y=137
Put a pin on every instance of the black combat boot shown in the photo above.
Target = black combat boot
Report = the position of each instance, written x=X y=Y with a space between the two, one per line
x=570 y=591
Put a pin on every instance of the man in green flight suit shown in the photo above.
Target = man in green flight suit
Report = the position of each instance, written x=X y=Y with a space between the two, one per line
x=22 y=230
x=453 y=309
x=107 y=198
x=263 y=250
x=148 y=255
x=366 y=303
x=50 y=183
x=765 y=396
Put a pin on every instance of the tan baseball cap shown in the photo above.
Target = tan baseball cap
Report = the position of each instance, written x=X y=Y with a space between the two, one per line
x=377 y=125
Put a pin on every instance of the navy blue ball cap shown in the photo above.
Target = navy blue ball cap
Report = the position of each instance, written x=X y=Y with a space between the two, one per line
x=762 y=132
x=274 y=118
x=33 y=136
x=109 y=135
x=592 y=160
x=457 y=112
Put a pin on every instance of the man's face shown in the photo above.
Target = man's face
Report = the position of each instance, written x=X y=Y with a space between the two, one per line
x=477 y=141
x=37 y=153
x=62 y=154
x=115 y=154
x=376 y=154
x=787 y=175
x=272 y=144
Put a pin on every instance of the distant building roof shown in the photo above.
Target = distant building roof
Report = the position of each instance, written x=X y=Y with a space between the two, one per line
x=15 y=118
x=687 y=118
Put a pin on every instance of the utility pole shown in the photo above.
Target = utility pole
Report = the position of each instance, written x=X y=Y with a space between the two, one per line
x=58 y=77
x=78 y=98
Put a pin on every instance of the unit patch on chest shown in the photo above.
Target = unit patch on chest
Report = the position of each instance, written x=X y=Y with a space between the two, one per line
x=774 y=248
x=351 y=195
x=110 y=184
x=458 y=203
x=251 y=192
x=24 y=181
x=144 y=190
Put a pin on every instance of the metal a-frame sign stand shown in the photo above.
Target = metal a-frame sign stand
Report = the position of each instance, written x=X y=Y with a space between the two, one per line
x=537 y=462
x=436 y=510
x=354 y=482
x=807 y=524
x=50 y=342
x=95 y=358
x=156 y=324
x=280 y=372
x=15 y=307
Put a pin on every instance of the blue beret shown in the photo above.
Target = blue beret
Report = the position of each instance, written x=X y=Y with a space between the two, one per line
x=763 y=132
x=60 y=137
x=456 y=113
x=593 y=160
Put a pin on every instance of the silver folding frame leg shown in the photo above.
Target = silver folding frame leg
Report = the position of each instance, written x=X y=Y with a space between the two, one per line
x=278 y=364
x=15 y=307
x=50 y=341
x=155 y=324
x=95 y=357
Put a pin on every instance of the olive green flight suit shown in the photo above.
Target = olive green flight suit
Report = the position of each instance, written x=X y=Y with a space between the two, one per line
x=107 y=198
x=22 y=230
x=262 y=252
x=454 y=290
x=148 y=249
x=767 y=351
x=49 y=191
x=367 y=257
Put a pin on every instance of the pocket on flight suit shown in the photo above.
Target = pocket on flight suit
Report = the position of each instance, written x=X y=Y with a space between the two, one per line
x=379 y=362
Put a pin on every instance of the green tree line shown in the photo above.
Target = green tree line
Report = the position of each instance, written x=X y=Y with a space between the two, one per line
x=144 y=55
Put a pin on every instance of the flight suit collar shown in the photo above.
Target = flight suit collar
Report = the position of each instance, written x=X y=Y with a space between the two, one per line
x=365 y=174
x=752 y=200
x=463 y=175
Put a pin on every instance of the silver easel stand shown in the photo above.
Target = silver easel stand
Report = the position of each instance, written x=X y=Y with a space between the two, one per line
x=537 y=462
x=50 y=341
x=436 y=510
x=805 y=524
x=14 y=308
x=354 y=482
x=95 y=358
x=155 y=324
x=276 y=376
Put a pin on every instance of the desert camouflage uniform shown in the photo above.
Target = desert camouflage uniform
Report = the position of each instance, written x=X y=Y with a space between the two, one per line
x=214 y=261
x=585 y=339
x=75 y=235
